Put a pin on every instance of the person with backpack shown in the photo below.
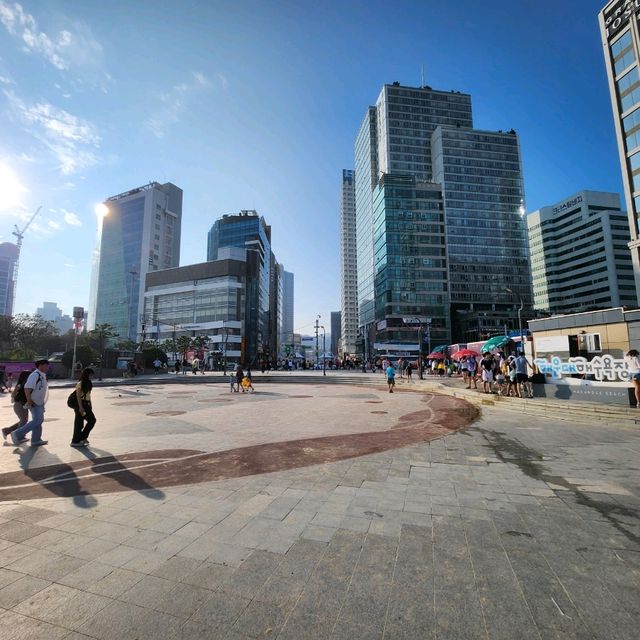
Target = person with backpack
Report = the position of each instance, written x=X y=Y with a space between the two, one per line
x=19 y=399
x=36 y=390
x=82 y=407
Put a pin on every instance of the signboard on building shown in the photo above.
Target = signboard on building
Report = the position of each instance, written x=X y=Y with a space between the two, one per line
x=569 y=204
x=619 y=15
x=552 y=344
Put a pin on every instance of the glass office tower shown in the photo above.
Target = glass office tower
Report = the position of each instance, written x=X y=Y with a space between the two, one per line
x=428 y=135
x=619 y=28
x=487 y=244
x=8 y=258
x=139 y=233
x=410 y=263
x=247 y=230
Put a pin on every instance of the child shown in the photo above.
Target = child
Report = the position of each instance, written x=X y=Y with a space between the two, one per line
x=246 y=384
x=500 y=382
x=232 y=382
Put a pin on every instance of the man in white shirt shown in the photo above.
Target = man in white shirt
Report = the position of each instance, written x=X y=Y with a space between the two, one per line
x=37 y=391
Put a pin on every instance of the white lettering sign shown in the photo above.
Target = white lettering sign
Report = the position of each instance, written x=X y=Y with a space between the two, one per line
x=619 y=15
x=604 y=367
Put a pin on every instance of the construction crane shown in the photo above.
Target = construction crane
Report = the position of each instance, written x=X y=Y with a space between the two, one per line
x=20 y=235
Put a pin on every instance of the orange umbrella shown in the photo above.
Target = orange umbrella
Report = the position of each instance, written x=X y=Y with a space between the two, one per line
x=436 y=356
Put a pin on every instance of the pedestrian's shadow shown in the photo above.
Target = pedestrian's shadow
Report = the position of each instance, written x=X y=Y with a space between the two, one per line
x=62 y=480
x=106 y=464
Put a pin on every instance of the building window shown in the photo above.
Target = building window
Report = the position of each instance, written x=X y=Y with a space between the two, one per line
x=626 y=60
x=633 y=97
x=628 y=80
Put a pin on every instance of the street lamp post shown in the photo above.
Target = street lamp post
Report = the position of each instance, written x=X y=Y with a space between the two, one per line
x=324 y=351
x=520 y=308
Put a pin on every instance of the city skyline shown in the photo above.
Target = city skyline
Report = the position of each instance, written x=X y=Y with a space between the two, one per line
x=257 y=120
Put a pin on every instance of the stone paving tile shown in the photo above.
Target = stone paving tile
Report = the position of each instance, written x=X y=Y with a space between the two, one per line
x=17 y=531
x=115 y=583
x=23 y=588
x=220 y=610
x=120 y=620
x=62 y=606
x=148 y=591
x=18 y=627
x=47 y=565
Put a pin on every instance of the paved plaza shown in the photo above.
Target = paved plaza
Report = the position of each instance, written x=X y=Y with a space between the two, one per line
x=309 y=510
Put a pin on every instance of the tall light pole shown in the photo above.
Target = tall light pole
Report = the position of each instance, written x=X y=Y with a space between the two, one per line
x=317 y=327
x=520 y=308
x=324 y=351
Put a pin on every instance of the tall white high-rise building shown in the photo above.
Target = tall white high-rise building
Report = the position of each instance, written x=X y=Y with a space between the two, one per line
x=349 y=263
x=579 y=256
x=140 y=232
x=621 y=44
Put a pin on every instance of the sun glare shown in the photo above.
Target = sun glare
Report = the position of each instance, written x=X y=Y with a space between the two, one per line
x=11 y=189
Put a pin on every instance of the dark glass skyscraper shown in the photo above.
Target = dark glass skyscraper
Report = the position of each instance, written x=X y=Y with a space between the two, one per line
x=416 y=149
x=247 y=230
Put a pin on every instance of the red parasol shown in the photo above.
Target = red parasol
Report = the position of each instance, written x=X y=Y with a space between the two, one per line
x=465 y=353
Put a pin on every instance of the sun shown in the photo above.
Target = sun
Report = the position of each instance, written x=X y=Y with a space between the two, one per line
x=11 y=189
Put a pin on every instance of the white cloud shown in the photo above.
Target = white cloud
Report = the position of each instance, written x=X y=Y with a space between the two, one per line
x=56 y=226
x=5 y=80
x=174 y=103
x=69 y=138
x=74 y=48
x=71 y=218
x=224 y=81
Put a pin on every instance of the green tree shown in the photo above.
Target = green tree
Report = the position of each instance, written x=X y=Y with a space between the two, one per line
x=183 y=344
x=101 y=335
x=30 y=334
x=84 y=354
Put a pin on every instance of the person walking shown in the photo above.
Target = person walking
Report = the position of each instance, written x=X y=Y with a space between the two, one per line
x=239 y=377
x=185 y=366
x=157 y=363
x=195 y=365
x=391 y=377
x=177 y=367
x=486 y=364
x=472 y=367
x=408 y=369
x=84 y=412
x=633 y=363
x=36 y=390
x=521 y=364
x=19 y=399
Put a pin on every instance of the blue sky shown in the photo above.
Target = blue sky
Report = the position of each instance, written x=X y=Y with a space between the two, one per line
x=255 y=105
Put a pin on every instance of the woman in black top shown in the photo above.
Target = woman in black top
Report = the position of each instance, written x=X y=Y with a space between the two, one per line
x=83 y=410
x=239 y=376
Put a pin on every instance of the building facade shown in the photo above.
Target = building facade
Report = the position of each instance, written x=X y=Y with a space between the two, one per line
x=475 y=178
x=52 y=313
x=9 y=254
x=248 y=230
x=621 y=45
x=336 y=329
x=410 y=263
x=211 y=299
x=139 y=233
x=579 y=255
x=288 y=300
x=349 y=265
x=486 y=234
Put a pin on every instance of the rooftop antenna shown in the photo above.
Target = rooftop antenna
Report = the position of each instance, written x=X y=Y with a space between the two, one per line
x=421 y=76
